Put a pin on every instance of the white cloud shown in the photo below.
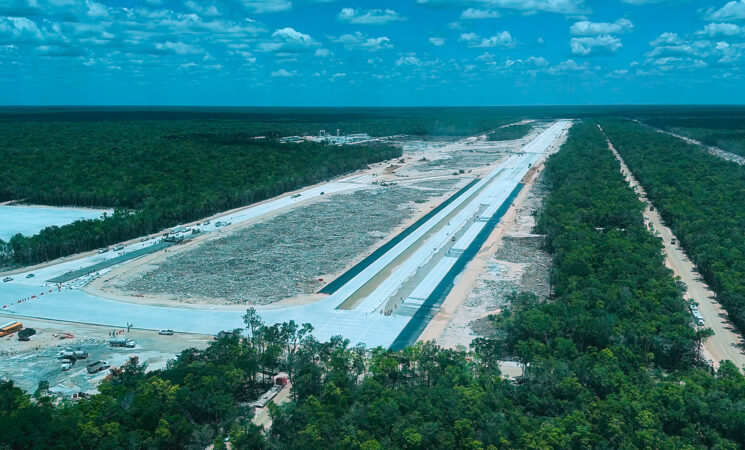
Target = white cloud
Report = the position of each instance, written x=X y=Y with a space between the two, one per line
x=525 y=6
x=587 y=28
x=669 y=52
x=267 y=6
x=437 y=41
x=179 y=48
x=649 y=2
x=322 y=53
x=97 y=10
x=359 y=41
x=666 y=39
x=408 y=61
x=287 y=40
x=474 y=13
x=721 y=29
x=567 y=66
x=281 y=73
x=587 y=46
x=502 y=39
x=19 y=29
x=734 y=10
x=369 y=16
x=671 y=63
x=620 y=73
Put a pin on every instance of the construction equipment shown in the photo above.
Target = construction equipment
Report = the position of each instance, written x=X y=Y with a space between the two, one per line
x=25 y=334
x=10 y=328
x=122 y=342
x=98 y=366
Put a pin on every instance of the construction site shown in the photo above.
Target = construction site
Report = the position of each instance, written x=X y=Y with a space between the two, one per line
x=425 y=246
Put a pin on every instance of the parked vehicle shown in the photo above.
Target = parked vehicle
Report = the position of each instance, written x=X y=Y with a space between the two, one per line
x=31 y=275
x=673 y=241
x=165 y=332
x=25 y=334
x=118 y=247
x=122 y=342
x=698 y=318
x=6 y=279
x=98 y=366
x=222 y=334
x=295 y=196
x=66 y=365
x=103 y=250
x=10 y=328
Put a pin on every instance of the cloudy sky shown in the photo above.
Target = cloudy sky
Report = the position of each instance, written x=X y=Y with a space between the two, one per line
x=386 y=52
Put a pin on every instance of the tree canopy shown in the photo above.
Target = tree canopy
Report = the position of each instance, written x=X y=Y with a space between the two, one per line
x=610 y=359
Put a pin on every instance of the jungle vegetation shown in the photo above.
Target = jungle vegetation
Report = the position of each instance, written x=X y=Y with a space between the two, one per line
x=510 y=132
x=727 y=133
x=610 y=360
x=700 y=197
x=155 y=174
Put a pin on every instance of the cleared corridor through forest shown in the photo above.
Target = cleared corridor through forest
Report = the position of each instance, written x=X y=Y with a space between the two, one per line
x=725 y=343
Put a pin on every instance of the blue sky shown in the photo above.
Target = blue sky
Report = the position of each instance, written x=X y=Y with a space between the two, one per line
x=370 y=53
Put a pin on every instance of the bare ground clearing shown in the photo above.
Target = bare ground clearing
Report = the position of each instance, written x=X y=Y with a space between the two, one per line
x=514 y=263
x=285 y=256
x=27 y=363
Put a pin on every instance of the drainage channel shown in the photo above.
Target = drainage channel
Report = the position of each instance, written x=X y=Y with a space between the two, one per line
x=362 y=265
x=431 y=305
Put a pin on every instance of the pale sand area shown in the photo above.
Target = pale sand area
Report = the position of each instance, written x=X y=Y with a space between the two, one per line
x=451 y=327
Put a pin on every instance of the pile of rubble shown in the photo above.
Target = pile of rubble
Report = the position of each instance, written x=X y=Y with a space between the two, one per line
x=288 y=255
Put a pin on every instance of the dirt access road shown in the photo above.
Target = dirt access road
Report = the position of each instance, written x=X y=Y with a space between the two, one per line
x=724 y=345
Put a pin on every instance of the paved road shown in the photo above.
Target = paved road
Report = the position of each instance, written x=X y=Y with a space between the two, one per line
x=723 y=345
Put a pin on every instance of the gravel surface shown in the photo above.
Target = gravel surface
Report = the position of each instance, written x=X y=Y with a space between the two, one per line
x=519 y=265
x=284 y=256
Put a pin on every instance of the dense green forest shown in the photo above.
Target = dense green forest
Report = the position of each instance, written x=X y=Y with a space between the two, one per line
x=611 y=362
x=511 y=132
x=155 y=173
x=276 y=122
x=727 y=133
x=700 y=197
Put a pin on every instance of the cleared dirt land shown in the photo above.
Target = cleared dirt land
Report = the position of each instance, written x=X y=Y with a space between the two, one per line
x=288 y=255
x=27 y=363
x=519 y=265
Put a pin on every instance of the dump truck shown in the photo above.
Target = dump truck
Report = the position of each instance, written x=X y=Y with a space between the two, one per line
x=122 y=342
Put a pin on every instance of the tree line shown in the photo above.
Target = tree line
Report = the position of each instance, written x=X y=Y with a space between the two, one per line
x=700 y=197
x=510 y=132
x=155 y=174
x=610 y=361
x=727 y=133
